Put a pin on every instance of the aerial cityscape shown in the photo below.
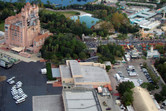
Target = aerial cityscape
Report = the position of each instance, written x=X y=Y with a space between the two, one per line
x=82 y=55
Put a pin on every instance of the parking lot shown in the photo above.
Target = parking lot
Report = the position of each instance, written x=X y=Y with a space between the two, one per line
x=136 y=64
x=34 y=84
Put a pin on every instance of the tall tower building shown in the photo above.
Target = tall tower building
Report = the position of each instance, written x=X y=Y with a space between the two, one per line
x=22 y=29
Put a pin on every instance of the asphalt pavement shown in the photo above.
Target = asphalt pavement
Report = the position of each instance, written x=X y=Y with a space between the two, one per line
x=34 y=84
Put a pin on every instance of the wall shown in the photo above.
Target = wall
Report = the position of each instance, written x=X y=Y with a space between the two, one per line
x=93 y=83
x=93 y=64
x=68 y=80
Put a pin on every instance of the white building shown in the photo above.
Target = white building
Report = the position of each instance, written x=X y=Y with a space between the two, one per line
x=153 y=53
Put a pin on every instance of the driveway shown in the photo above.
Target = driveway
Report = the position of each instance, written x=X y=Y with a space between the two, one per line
x=34 y=83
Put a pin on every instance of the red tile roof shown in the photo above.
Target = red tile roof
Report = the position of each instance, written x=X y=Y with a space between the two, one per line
x=108 y=86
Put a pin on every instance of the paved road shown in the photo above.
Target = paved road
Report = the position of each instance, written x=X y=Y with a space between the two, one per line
x=81 y=12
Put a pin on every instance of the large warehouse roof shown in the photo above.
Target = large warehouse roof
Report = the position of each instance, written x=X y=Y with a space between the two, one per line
x=48 y=103
x=80 y=101
x=93 y=74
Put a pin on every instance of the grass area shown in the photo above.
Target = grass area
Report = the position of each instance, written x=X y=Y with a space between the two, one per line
x=66 y=13
x=2 y=26
x=87 y=11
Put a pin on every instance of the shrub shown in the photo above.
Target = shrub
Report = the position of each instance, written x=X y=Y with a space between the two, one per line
x=49 y=71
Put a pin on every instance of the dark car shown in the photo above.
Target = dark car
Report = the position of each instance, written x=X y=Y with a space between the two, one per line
x=108 y=108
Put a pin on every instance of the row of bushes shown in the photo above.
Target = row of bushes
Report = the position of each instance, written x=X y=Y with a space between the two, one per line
x=49 y=71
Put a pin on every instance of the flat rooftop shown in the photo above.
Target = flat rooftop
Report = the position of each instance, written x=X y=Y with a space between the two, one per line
x=55 y=72
x=93 y=74
x=154 y=52
x=81 y=101
x=47 y=103
x=65 y=71
x=75 y=67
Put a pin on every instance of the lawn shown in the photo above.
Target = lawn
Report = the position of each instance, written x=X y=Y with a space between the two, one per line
x=2 y=26
x=65 y=13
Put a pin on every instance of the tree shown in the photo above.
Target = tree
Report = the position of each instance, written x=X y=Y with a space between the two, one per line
x=158 y=97
x=125 y=86
x=48 y=2
x=127 y=98
x=126 y=93
x=60 y=47
x=163 y=91
x=108 y=67
x=82 y=55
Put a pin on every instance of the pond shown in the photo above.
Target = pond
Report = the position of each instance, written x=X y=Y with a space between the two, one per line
x=87 y=18
x=62 y=2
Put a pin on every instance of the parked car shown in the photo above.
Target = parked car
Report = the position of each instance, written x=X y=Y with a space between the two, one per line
x=108 y=108
x=19 y=84
x=20 y=100
x=11 y=82
x=11 y=79
x=16 y=97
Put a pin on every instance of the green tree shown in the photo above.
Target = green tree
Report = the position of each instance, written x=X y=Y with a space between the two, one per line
x=124 y=89
x=125 y=86
x=82 y=55
x=127 y=98
x=163 y=91
x=108 y=67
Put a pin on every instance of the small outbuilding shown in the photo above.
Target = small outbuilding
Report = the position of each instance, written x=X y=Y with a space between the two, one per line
x=44 y=71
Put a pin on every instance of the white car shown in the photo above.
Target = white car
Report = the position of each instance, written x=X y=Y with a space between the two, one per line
x=24 y=96
x=20 y=100
x=14 y=87
x=11 y=82
x=15 y=92
x=19 y=84
x=16 y=97
x=11 y=79
x=20 y=90
x=21 y=93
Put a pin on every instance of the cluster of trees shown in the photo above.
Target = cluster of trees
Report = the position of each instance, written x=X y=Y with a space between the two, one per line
x=58 y=23
x=162 y=95
x=161 y=67
x=152 y=75
x=112 y=15
x=122 y=36
x=148 y=86
x=108 y=52
x=119 y=20
x=126 y=93
x=8 y=9
x=61 y=47
x=161 y=49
